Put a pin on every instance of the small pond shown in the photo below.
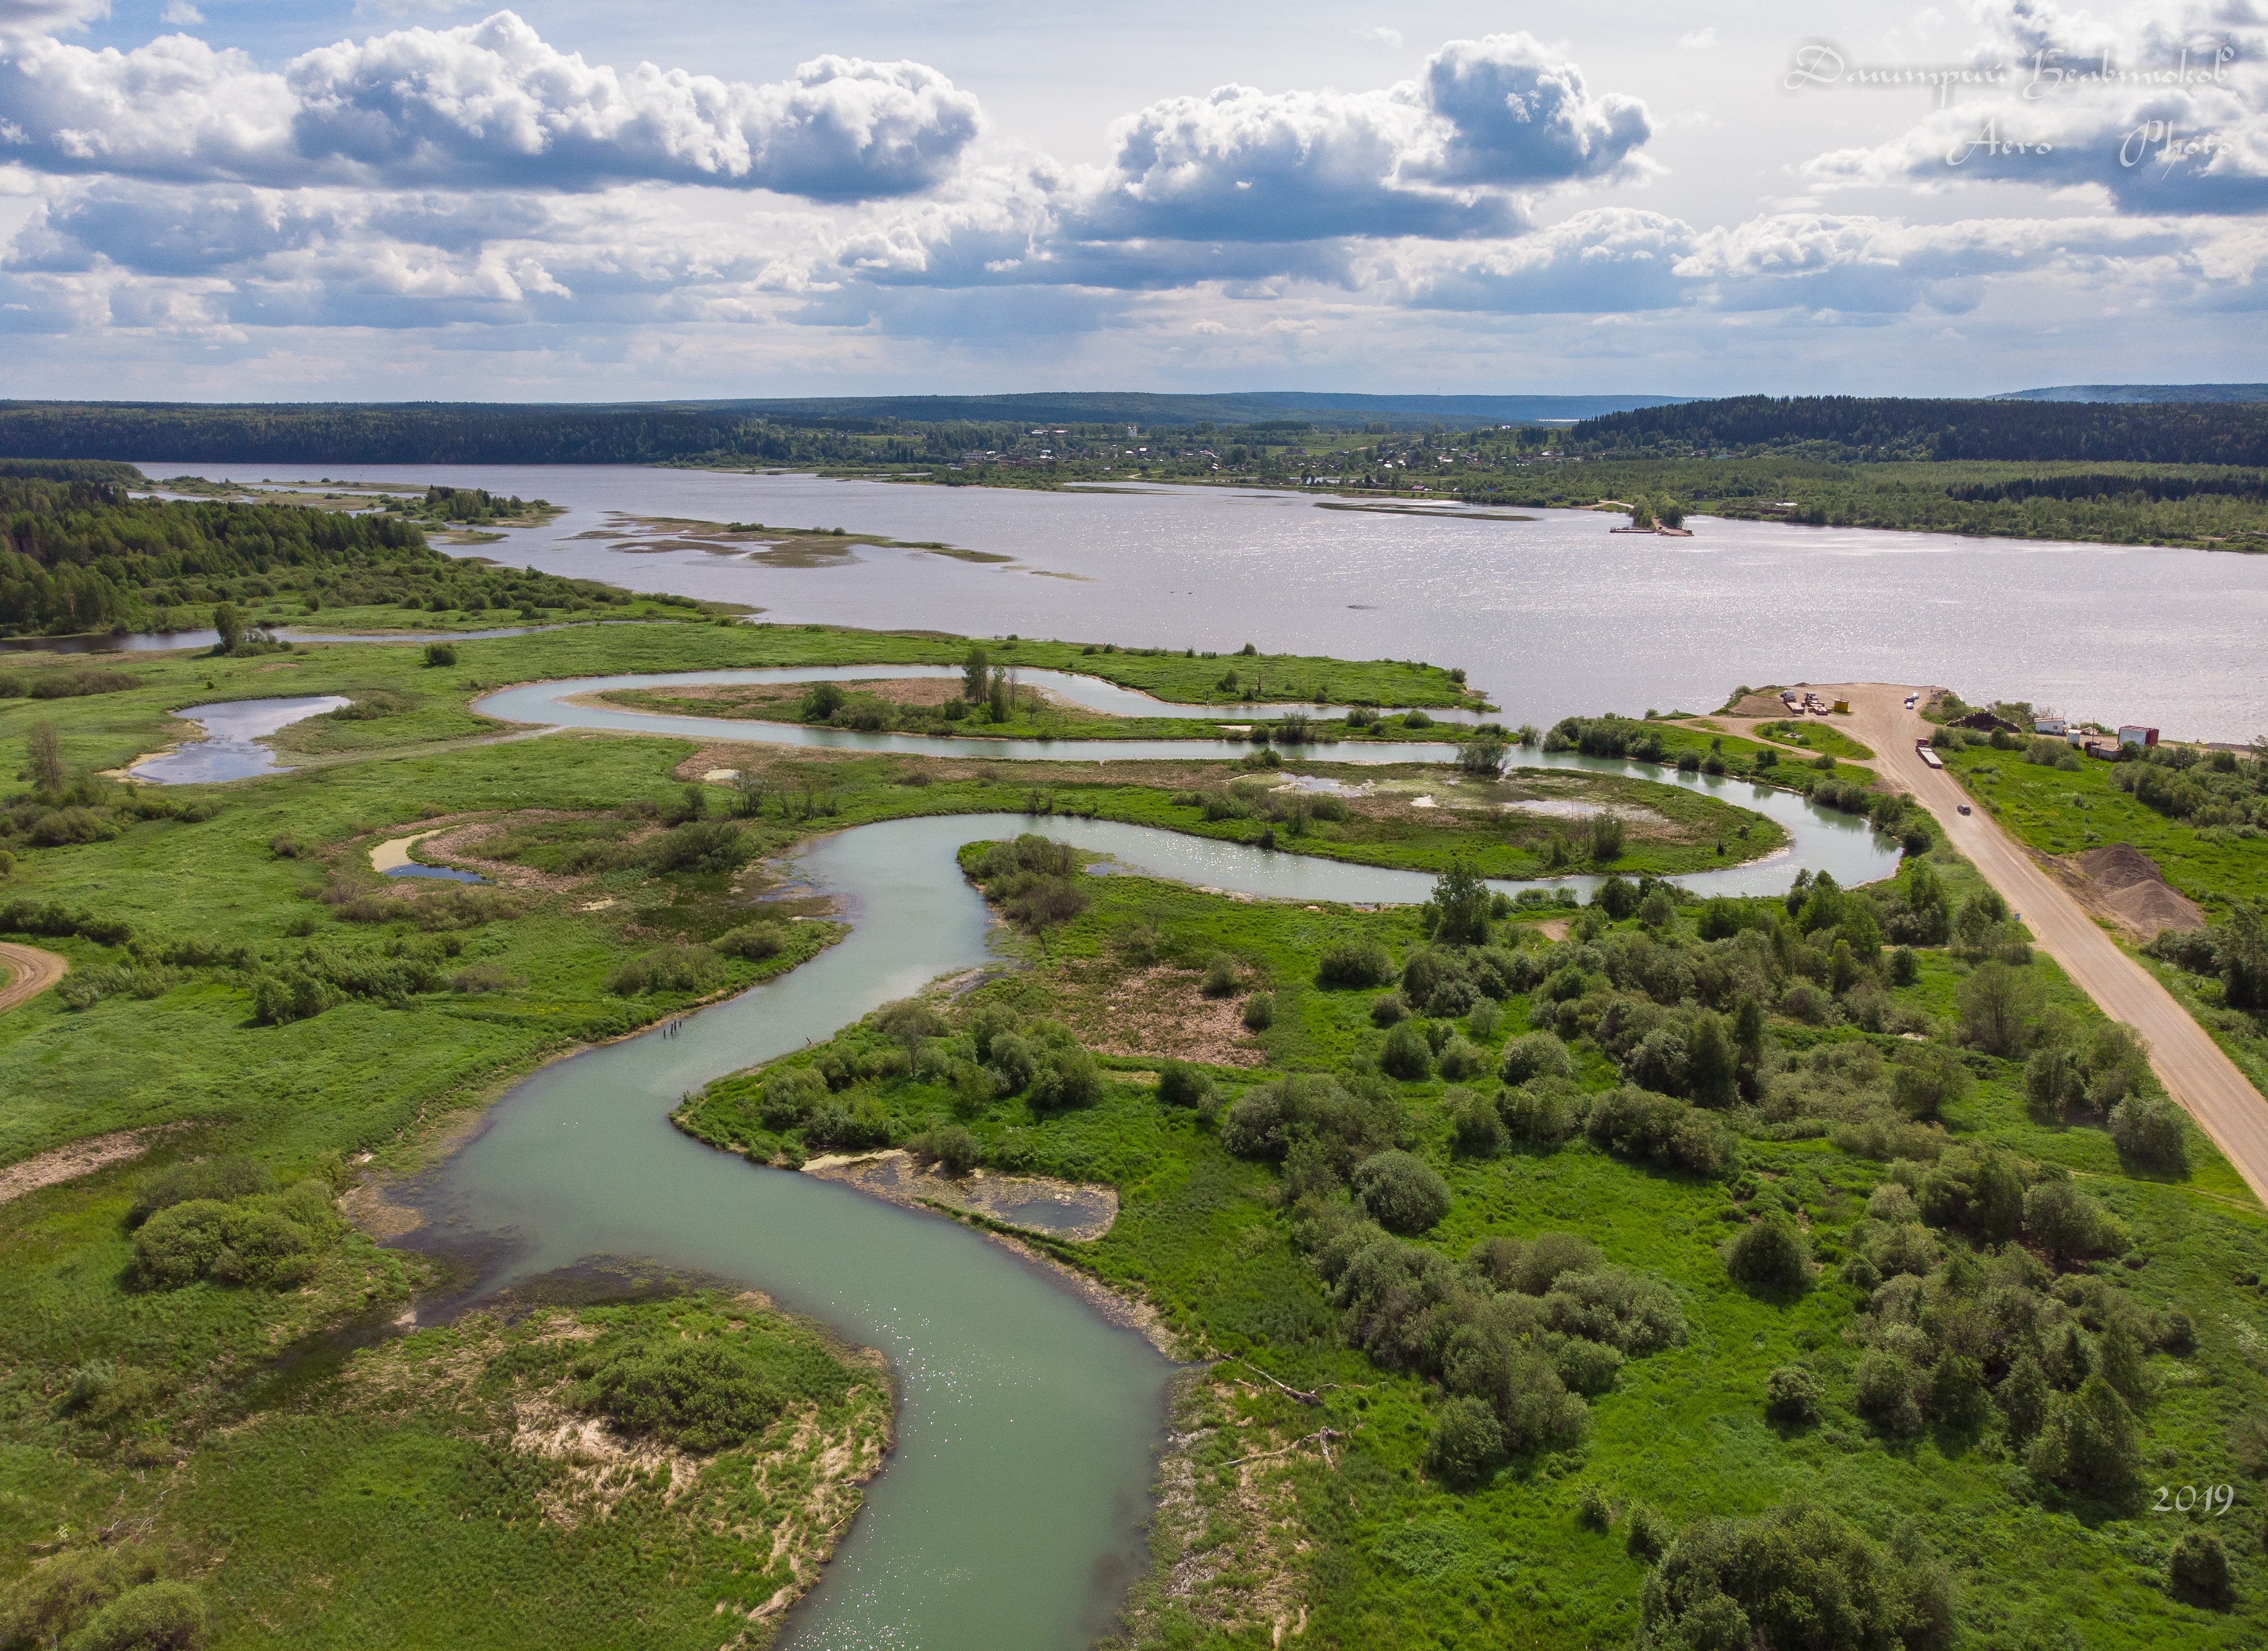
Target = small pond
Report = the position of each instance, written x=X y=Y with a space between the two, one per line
x=228 y=749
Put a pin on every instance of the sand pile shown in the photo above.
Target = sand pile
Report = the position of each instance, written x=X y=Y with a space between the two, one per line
x=2121 y=882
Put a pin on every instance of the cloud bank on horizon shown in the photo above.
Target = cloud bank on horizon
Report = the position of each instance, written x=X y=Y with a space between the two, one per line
x=432 y=209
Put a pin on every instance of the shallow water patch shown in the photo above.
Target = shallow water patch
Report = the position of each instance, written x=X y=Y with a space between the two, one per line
x=229 y=748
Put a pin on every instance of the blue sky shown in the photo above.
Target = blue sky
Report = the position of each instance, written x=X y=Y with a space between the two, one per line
x=244 y=200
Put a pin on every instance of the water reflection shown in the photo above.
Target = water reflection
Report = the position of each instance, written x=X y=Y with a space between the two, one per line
x=226 y=749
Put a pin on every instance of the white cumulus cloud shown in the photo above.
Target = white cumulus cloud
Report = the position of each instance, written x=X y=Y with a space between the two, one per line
x=489 y=104
x=24 y=19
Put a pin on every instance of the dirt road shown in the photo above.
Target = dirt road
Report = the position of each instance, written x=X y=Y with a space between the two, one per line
x=2187 y=1061
x=31 y=972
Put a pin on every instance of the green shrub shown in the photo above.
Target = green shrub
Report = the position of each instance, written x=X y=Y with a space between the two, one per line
x=1592 y=1510
x=1475 y=1125
x=437 y=653
x=1647 y=1536
x=956 y=1151
x=57 y=1595
x=156 y=1616
x=1535 y=1055
x=1259 y=1011
x=791 y=1095
x=477 y=978
x=1400 y=1192
x=2087 y=1443
x=1777 y=1580
x=76 y=684
x=2024 y=1396
x=1406 y=1054
x=1359 y=962
x=1183 y=1085
x=1634 y=1122
x=1067 y=1078
x=1220 y=976
x=707 y=1394
x=1588 y=1367
x=2068 y=1224
x=1387 y=1008
x=1014 y=1060
x=1542 y=1111
x=2197 y=1569
x=752 y=940
x=1345 y=1123
x=1770 y=1254
x=291 y=992
x=60 y=827
x=861 y=1125
x=372 y=704
x=686 y=968
x=699 y=845
x=1887 y=1393
x=2149 y=1130
x=1466 y=1445
x=270 y=1240
x=1793 y=1396
x=1459 y=1060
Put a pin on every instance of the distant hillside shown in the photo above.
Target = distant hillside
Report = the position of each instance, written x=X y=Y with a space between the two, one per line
x=1846 y=427
x=833 y=429
x=2130 y=393
x=1314 y=407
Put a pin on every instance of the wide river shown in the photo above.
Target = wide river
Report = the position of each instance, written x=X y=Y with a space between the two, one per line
x=1551 y=616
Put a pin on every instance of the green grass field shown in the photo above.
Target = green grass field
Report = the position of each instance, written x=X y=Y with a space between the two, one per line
x=1817 y=737
x=2068 y=811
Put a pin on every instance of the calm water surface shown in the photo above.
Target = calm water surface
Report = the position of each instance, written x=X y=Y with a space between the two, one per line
x=227 y=749
x=1551 y=616
x=1008 y=1519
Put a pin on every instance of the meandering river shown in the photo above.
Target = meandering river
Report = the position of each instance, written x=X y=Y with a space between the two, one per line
x=1009 y=1518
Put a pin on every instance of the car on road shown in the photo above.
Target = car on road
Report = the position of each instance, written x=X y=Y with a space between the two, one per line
x=1964 y=807
x=1911 y=699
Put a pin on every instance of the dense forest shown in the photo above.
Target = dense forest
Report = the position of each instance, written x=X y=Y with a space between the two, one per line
x=807 y=430
x=411 y=434
x=915 y=430
x=80 y=556
x=1876 y=427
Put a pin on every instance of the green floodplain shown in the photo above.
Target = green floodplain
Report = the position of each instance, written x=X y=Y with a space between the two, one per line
x=1568 y=1273
x=1816 y=1271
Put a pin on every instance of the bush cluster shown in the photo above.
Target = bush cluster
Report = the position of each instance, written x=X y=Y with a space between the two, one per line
x=272 y=1239
x=1797 y=1575
x=1034 y=880
x=1517 y=1334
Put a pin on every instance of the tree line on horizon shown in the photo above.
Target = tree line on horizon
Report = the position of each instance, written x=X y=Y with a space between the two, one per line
x=1884 y=428
x=850 y=433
